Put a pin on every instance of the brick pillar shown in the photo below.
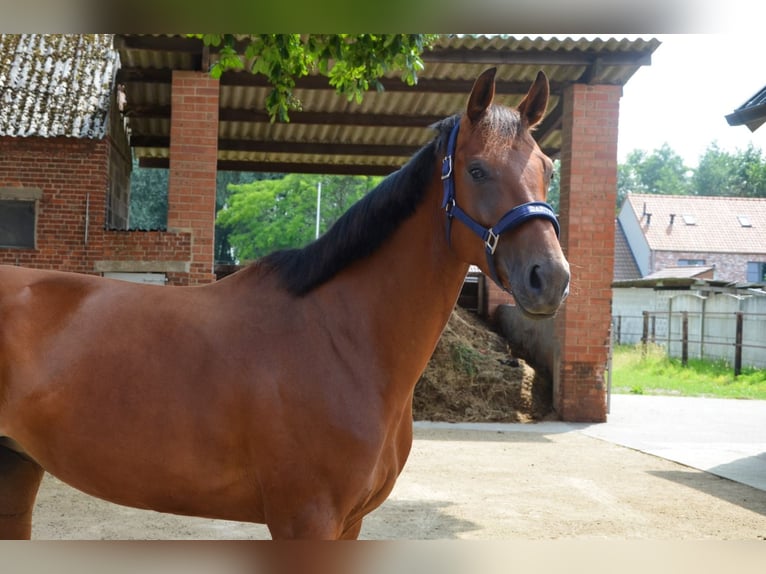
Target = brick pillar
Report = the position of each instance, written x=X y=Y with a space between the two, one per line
x=587 y=212
x=193 y=164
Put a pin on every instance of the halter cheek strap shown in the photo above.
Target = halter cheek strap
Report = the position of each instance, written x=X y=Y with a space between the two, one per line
x=489 y=235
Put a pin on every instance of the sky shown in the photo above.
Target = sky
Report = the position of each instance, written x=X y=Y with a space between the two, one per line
x=682 y=98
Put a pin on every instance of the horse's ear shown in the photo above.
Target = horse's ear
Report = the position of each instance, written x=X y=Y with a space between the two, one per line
x=482 y=94
x=532 y=107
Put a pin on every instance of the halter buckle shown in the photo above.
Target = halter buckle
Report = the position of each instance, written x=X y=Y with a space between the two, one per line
x=491 y=241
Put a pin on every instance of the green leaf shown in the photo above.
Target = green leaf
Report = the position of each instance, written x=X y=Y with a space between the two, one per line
x=351 y=63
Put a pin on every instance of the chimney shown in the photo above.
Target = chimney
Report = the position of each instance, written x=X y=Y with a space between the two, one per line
x=647 y=215
x=672 y=217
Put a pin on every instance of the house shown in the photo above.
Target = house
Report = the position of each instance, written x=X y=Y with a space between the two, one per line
x=65 y=164
x=727 y=234
x=65 y=151
x=625 y=267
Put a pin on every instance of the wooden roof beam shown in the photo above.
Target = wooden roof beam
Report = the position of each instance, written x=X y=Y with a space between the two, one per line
x=126 y=75
x=282 y=167
x=297 y=117
x=305 y=148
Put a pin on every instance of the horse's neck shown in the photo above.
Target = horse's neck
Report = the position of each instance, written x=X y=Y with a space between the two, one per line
x=411 y=285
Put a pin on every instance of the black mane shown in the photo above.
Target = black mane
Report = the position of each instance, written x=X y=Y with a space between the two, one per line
x=364 y=227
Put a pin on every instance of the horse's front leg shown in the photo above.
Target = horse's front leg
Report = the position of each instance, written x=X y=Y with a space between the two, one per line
x=310 y=530
x=312 y=520
x=352 y=532
x=20 y=480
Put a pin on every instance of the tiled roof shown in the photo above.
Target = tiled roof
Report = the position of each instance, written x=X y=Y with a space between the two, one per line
x=625 y=266
x=701 y=224
x=56 y=84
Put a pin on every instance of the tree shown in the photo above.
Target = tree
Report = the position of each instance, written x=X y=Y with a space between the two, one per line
x=264 y=216
x=553 y=196
x=148 y=198
x=661 y=172
x=149 y=201
x=353 y=63
x=740 y=174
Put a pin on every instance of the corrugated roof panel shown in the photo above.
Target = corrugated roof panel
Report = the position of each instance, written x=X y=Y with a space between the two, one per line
x=395 y=120
x=752 y=113
x=56 y=84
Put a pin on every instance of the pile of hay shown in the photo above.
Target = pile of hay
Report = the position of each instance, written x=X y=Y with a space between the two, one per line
x=472 y=377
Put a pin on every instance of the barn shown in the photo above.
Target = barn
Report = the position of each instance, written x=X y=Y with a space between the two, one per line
x=76 y=108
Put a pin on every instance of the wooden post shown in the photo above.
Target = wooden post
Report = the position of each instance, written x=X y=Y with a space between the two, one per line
x=738 y=345
x=619 y=329
x=703 y=320
x=645 y=334
x=684 y=338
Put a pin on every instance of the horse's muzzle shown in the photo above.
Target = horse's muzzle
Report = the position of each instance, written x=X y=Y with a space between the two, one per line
x=542 y=287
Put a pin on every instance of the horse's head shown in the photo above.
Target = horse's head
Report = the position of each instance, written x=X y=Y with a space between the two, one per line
x=495 y=182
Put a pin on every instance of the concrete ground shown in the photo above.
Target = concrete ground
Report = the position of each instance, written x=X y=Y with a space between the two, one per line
x=724 y=437
x=652 y=472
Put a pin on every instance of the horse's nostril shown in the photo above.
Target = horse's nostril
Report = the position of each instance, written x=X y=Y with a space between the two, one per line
x=535 y=281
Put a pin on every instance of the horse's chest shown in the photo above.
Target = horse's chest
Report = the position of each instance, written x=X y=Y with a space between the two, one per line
x=389 y=465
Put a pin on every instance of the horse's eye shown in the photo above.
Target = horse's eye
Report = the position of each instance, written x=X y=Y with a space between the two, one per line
x=477 y=173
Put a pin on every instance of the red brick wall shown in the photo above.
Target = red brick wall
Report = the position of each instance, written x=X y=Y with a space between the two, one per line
x=587 y=209
x=66 y=170
x=73 y=175
x=493 y=297
x=193 y=164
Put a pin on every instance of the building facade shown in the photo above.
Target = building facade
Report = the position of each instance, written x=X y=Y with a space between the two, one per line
x=65 y=165
x=725 y=233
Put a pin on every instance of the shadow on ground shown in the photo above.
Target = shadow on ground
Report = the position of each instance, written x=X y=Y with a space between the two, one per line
x=395 y=519
x=736 y=493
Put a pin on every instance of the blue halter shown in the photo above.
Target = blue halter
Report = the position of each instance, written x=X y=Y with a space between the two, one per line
x=490 y=236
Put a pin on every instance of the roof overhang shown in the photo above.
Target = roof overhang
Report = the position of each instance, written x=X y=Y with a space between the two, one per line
x=678 y=283
x=332 y=135
x=752 y=113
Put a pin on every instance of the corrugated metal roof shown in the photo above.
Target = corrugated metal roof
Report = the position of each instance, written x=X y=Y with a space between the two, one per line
x=56 y=84
x=752 y=113
x=689 y=271
x=385 y=128
x=701 y=224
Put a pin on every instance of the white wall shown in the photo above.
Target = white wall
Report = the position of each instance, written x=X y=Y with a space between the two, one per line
x=711 y=322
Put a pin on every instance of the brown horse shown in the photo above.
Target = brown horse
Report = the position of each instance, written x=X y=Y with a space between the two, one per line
x=283 y=393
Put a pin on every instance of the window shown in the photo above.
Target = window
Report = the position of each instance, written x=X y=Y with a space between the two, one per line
x=744 y=221
x=689 y=219
x=756 y=272
x=691 y=262
x=18 y=217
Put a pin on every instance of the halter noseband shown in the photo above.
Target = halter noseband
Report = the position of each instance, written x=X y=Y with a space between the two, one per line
x=490 y=236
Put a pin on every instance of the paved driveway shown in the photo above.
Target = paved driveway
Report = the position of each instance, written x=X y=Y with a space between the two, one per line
x=725 y=437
